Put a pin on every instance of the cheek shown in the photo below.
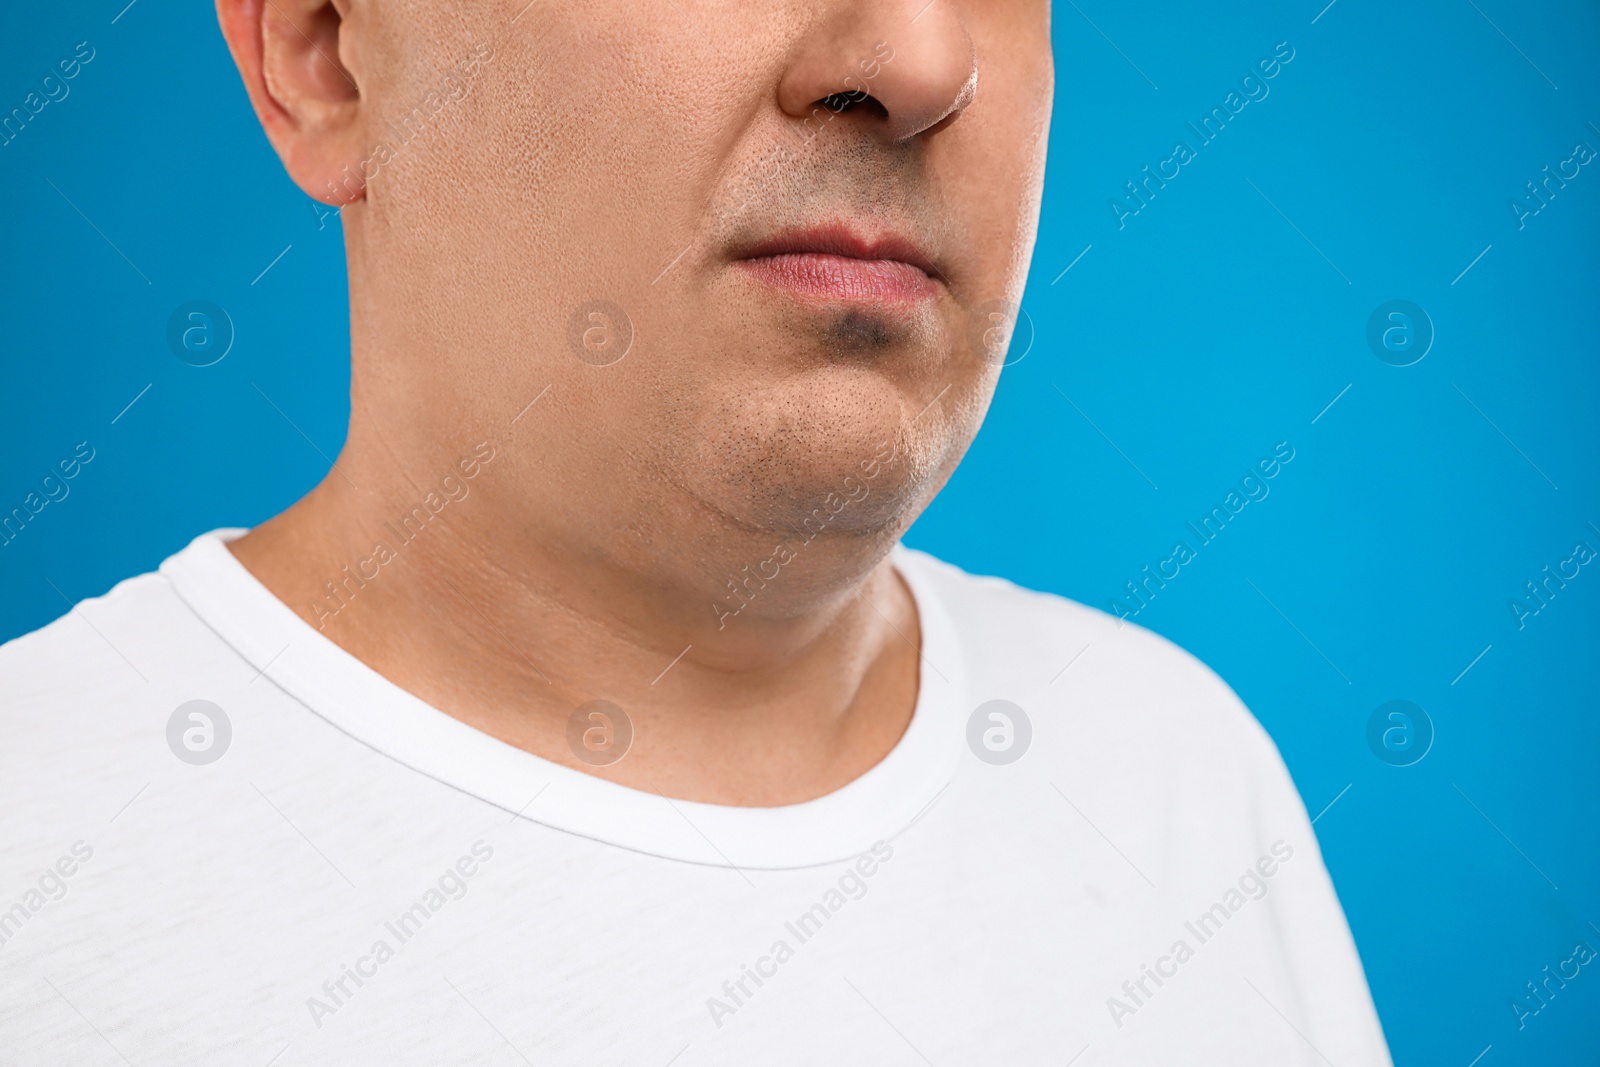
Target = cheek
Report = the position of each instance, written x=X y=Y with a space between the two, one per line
x=990 y=162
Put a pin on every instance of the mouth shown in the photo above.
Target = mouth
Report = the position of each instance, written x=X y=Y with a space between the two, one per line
x=835 y=264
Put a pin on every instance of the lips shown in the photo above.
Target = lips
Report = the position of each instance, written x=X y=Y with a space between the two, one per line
x=835 y=264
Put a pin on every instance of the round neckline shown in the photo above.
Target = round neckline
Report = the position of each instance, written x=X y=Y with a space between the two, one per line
x=362 y=703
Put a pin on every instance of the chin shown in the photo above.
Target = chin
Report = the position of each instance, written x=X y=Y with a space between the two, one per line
x=832 y=451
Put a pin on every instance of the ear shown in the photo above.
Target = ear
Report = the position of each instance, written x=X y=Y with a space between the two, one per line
x=296 y=59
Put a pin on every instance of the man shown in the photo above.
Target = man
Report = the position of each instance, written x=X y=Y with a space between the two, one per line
x=588 y=710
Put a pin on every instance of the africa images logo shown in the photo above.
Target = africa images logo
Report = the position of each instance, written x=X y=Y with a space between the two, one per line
x=850 y=886
x=199 y=732
x=999 y=732
x=453 y=884
x=1250 y=886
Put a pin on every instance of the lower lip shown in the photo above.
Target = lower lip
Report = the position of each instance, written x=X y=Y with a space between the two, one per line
x=840 y=279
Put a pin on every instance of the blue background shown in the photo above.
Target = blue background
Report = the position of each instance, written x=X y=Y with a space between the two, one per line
x=1221 y=319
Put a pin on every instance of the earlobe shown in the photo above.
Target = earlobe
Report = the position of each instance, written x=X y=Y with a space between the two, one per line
x=289 y=55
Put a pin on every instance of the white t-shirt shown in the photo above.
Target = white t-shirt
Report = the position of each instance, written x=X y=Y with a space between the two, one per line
x=331 y=871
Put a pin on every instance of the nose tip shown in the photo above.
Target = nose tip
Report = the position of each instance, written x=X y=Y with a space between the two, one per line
x=915 y=59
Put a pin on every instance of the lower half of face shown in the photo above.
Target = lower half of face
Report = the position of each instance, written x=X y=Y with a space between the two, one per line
x=749 y=321
x=804 y=378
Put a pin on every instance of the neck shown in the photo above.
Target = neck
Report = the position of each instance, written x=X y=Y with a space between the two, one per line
x=433 y=569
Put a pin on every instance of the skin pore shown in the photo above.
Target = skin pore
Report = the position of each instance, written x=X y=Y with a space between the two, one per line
x=796 y=213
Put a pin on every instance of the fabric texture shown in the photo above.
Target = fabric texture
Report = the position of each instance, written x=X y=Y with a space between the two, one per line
x=359 y=878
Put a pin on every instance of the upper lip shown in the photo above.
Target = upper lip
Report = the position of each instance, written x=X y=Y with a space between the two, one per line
x=838 y=239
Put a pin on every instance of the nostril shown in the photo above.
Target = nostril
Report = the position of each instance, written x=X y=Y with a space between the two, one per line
x=858 y=100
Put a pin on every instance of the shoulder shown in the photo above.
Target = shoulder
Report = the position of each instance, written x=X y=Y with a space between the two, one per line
x=87 y=701
x=1058 y=658
x=1140 y=737
x=102 y=654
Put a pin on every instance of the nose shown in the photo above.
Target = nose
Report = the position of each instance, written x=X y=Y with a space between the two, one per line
x=914 y=58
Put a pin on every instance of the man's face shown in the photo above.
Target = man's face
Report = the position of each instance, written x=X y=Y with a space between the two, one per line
x=804 y=290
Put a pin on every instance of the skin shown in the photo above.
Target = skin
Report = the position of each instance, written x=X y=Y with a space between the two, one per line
x=601 y=153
